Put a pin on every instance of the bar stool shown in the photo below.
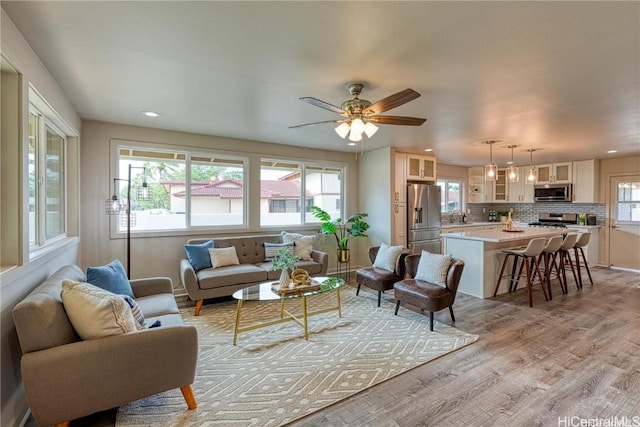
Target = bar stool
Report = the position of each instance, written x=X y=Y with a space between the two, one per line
x=583 y=240
x=568 y=244
x=531 y=252
x=549 y=255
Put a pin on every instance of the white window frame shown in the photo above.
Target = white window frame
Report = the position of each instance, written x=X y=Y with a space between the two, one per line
x=445 y=191
x=41 y=241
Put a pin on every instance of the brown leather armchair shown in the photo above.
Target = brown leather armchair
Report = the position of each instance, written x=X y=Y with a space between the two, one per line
x=377 y=278
x=425 y=295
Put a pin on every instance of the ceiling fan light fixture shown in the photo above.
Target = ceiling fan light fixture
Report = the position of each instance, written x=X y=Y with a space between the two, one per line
x=343 y=130
x=355 y=136
x=370 y=129
x=357 y=126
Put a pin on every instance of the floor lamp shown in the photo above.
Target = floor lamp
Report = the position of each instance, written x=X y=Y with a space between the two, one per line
x=114 y=206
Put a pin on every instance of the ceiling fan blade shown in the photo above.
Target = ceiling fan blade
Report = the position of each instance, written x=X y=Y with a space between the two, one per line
x=322 y=104
x=317 y=123
x=397 y=120
x=392 y=101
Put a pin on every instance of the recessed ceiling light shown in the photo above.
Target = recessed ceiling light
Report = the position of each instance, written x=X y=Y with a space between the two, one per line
x=612 y=151
x=351 y=143
x=428 y=150
x=150 y=113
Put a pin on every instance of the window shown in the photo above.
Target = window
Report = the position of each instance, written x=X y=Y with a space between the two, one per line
x=46 y=187
x=628 y=202
x=288 y=190
x=451 y=194
x=211 y=196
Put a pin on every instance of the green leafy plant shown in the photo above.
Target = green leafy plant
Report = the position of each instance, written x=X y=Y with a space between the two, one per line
x=343 y=230
x=284 y=259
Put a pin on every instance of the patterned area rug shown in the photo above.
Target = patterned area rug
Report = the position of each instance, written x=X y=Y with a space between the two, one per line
x=273 y=376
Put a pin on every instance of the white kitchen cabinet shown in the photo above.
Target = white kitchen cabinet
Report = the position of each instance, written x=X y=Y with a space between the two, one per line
x=421 y=168
x=479 y=191
x=521 y=191
x=400 y=178
x=399 y=236
x=500 y=186
x=586 y=181
x=554 y=172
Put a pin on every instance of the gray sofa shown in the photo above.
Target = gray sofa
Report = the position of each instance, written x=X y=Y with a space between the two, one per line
x=253 y=269
x=67 y=378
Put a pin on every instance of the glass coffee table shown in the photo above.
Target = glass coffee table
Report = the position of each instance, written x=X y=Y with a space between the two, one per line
x=263 y=292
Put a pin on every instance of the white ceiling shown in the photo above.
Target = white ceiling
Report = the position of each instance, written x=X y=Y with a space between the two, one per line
x=560 y=77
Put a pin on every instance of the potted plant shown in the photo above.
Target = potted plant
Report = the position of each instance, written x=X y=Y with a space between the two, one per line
x=285 y=260
x=342 y=230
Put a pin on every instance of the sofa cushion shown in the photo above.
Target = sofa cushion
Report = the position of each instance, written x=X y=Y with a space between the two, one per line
x=272 y=249
x=387 y=257
x=221 y=257
x=157 y=305
x=433 y=268
x=312 y=267
x=198 y=254
x=110 y=277
x=40 y=319
x=303 y=244
x=95 y=312
x=231 y=275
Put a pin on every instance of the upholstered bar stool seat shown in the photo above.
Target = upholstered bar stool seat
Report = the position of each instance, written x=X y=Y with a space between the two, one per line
x=581 y=242
x=530 y=253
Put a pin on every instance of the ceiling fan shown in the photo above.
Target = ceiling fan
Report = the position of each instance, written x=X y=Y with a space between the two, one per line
x=359 y=115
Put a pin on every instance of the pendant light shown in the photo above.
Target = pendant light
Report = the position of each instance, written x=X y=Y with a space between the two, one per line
x=531 y=173
x=513 y=172
x=490 y=170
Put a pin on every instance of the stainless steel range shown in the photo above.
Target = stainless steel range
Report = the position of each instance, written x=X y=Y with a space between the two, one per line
x=555 y=220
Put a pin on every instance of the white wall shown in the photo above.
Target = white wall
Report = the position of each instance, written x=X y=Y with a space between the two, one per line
x=375 y=193
x=160 y=256
x=18 y=280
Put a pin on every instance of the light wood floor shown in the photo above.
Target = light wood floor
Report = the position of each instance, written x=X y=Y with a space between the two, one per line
x=575 y=356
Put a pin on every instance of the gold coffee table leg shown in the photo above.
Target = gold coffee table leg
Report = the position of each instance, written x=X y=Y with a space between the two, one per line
x=339 y=305
x=304 y=318
x=281 y=308
x=235 y=332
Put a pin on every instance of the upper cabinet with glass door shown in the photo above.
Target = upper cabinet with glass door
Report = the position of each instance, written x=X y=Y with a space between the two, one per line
x=555 y=172
x=421 y=168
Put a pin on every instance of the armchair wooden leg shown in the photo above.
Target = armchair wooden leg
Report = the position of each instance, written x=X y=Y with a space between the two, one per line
x=198 y=307
x=63 y=424
x=453 y=318
x=187 y=393
x=397 y=307
x=358 y=290
x=379 y=297
x=431 y=320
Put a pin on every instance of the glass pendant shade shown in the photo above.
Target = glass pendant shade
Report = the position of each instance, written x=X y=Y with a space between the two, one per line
x=531 y=175
x=490 y=171
x=370 y=129
x=343 y=130
x=513 y=173
x=112 y=206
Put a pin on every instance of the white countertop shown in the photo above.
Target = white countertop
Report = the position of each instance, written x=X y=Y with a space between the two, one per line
x=497 y=235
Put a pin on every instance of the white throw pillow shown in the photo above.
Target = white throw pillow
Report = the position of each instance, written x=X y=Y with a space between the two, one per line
x=94 y=312
x=221 y=257
x=387 y=257
x=433 y=268
x=303 y=244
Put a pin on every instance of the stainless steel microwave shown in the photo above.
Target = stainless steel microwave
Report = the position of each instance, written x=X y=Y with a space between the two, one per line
x=552 y=193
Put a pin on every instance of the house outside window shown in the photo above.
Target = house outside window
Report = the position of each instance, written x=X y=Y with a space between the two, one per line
x=286 y=186
x=451 y=194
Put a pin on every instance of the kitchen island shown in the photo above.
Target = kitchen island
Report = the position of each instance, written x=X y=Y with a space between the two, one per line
x=481 y=252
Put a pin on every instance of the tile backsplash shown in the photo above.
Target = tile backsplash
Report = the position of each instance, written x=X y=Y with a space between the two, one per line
x=528 y=212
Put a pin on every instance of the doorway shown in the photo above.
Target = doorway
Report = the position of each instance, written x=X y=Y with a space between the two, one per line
x=624 y=222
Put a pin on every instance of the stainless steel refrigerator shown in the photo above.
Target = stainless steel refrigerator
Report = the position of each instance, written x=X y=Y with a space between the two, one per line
x=423 y=218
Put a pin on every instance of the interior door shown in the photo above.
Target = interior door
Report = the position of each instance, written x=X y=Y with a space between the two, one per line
x=624 y=222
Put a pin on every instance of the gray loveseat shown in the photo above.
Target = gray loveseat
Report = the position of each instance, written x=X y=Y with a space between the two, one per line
x=253 y=269
x=67 y=378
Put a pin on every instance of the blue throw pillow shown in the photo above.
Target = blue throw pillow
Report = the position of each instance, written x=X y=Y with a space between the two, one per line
x=110 y=277
x=198 y=255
